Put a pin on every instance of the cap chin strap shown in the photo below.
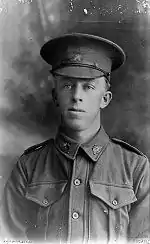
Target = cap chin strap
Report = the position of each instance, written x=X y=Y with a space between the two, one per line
x=62 y=65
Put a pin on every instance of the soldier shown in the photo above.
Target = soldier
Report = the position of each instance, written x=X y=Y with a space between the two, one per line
x=81 y=186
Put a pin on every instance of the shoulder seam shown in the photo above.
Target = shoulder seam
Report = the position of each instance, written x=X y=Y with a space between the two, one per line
x=36 y=147
x=128 y=146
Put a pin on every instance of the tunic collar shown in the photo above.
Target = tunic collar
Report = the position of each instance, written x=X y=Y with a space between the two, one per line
x=94 y=148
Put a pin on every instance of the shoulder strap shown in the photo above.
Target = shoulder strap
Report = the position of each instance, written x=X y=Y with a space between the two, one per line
x=128 y=146
x=36 y=147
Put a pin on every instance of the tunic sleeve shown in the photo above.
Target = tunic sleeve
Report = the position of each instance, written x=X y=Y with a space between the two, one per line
x=139 y=221
x=13 y=210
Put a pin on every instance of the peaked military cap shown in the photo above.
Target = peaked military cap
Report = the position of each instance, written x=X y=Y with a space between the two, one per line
x=82 y=55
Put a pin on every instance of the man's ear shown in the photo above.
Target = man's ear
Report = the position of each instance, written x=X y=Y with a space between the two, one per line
x=54 y=97
x=106 y=99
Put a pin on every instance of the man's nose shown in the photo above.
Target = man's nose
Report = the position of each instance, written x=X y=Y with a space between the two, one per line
x=77 y=94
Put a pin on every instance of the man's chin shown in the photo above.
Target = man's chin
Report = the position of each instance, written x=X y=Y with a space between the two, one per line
x=76 y=125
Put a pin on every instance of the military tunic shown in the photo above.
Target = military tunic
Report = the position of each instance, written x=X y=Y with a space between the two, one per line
x=61 y=191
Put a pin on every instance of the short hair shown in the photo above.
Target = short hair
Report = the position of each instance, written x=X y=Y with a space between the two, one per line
x=107 y=83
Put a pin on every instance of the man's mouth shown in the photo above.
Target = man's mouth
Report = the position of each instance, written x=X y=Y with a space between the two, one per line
x=77 y=110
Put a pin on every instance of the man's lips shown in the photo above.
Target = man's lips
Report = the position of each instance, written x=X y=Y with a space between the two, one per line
x=76 y=110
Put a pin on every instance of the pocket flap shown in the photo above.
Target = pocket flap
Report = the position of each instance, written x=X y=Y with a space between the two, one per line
x=45 y=193
x=114 y=196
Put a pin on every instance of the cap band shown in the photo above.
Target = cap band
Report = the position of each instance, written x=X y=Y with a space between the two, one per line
x=62 y=65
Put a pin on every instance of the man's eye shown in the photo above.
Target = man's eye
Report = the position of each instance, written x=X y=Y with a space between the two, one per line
x=89 y=87
x=68 y=86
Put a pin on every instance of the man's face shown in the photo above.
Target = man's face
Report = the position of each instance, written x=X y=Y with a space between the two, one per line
x=80 y=100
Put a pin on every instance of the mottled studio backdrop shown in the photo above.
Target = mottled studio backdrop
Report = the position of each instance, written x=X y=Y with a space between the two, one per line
x=27 y=114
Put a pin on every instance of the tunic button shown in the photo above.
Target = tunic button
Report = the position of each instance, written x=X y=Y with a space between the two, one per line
x=45 y=202
x=77 y=182
x=114 y=202
x=105 y=211
x=75 y=215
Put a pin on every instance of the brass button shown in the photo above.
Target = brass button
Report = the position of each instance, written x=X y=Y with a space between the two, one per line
x=75 y=215
x=114 y=202
x=77 y=182
x=105 y=211
x=45 y=202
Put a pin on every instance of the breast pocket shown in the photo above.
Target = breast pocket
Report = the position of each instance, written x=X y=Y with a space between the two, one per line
x=40 y=198
x=117 y=202
x=114 y=196
x=45 y=194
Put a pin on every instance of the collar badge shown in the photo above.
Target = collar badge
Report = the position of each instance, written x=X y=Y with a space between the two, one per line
x=66 y=146
x=96 y=149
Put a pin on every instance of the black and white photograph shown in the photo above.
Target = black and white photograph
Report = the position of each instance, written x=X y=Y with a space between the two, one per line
x=75 y=121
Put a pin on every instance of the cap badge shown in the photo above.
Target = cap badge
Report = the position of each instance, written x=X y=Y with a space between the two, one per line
x=96 y=149
x=77 y=58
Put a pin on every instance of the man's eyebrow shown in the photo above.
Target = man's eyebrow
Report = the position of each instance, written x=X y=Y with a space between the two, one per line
x=91 y=80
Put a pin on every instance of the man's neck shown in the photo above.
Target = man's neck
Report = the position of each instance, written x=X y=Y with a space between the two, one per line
x=81 y=136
